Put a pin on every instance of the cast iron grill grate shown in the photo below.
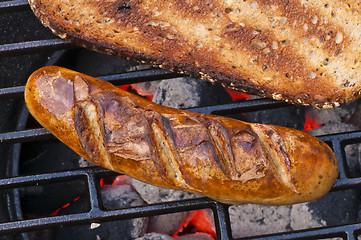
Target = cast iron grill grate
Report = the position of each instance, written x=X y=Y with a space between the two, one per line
x=92 y=175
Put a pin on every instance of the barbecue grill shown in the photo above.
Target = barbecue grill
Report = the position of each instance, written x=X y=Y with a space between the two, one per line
x=20 y=56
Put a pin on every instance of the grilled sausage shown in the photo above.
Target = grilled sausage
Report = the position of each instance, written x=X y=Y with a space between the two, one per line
x=304 y=52
x=225 y=159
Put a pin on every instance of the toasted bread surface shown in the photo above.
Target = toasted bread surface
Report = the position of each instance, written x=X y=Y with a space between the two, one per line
x=304 y=52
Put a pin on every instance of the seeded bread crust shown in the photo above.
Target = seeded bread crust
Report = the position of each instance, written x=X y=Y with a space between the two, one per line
x=303 y=52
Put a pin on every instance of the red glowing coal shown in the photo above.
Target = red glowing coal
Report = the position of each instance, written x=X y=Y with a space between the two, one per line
x=310 y=123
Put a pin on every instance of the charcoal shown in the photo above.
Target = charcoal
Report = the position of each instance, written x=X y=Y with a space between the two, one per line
x=152 y=194
x=196 y=236
x=250 y=220
x=146 y=89
x=340 y=114
x=204 y=221
x=336 y=208
x=186 y=92
x=155 y=236
x=169 y=224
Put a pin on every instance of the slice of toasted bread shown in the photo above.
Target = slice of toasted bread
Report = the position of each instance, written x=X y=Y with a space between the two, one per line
x=305 y=52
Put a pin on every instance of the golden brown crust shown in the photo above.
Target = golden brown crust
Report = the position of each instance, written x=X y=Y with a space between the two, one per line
x=304 y=52
x=226 y=159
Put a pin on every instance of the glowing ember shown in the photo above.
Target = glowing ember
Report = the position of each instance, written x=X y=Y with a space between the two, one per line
x=237 y=95
x=125 y=87
x=107 y=181
x=200 y=222
x=310 y=123
x=114 y=180
x=129 y=88
x=64 y=206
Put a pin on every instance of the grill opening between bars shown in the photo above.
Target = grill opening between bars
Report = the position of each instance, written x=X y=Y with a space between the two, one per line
x=10 y=183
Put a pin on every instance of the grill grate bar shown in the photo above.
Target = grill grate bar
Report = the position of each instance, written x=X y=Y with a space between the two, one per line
x=12 y=49
x=344 y=138
x=346 y=183
x=97 y=215
x=340 y=154
x=20 y=136
x=222 y=221
x=16 y=5
x=94 y=201
x=139 y=76
x=25 y=135
x=116 y=79
x=24 y=181
x=237 y=107
x=12 y=92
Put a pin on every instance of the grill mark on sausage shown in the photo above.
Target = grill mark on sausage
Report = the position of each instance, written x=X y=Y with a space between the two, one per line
x=220 y=138
x=168 y=161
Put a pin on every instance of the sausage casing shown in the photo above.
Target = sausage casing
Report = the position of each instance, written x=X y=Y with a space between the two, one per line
x=225 y=159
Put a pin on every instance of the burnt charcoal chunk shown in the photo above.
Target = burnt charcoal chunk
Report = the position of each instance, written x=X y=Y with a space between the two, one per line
x=188 y=92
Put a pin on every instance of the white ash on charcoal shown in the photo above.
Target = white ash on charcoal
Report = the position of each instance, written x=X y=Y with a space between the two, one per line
x=195 y=236
x=250 y=220
x=201 y=220
x=169 y=224
x=146 y=89
x=342 y=114
x=153 y=194
x=85 y=163
x=155 y=236
x=186 y=92
x=355 y=118
x=120 y=195
x=159 y=236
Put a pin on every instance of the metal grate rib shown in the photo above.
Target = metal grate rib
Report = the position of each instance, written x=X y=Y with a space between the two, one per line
x=15 y=5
